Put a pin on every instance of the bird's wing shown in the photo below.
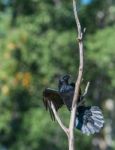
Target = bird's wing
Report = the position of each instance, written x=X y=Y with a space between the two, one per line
x=50 y=95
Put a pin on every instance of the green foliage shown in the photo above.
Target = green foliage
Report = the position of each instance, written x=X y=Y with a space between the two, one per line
x=38 y=44
x=100 y=59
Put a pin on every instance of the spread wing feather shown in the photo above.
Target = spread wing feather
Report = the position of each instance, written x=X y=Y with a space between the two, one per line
x=50 y=95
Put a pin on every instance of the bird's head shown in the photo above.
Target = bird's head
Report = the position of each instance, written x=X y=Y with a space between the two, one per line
x=64 y=79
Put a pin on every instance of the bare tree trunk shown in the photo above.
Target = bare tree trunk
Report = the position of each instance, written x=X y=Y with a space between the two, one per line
x=71 y=141
x=70 y=131
x=78 y=81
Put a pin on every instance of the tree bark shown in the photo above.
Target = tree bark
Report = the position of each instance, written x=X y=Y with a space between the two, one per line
x=70 y=131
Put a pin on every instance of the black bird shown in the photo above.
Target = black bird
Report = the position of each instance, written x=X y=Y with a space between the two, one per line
x=88 y=119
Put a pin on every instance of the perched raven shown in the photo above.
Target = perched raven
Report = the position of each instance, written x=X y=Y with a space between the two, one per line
x=88 y=119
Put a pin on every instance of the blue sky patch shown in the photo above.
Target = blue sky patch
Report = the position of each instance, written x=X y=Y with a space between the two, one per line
x=86 y=2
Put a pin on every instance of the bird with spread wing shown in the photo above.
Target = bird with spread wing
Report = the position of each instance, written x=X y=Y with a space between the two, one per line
x=89 y=120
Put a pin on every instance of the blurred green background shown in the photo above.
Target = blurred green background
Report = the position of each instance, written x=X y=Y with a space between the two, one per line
x=37 y=45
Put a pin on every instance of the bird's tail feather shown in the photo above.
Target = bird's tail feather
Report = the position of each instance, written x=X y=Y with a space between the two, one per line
x=89 y=119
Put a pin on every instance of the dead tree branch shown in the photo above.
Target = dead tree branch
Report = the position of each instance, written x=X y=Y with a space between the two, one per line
x=83 y=96
x=86 y=90
x=59 y=120
x=78 y=81
x=70 y=131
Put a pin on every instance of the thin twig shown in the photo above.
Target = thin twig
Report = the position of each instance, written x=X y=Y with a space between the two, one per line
x=78 y=82
x=86 y=89
x=59 y=120
x=83 y=96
